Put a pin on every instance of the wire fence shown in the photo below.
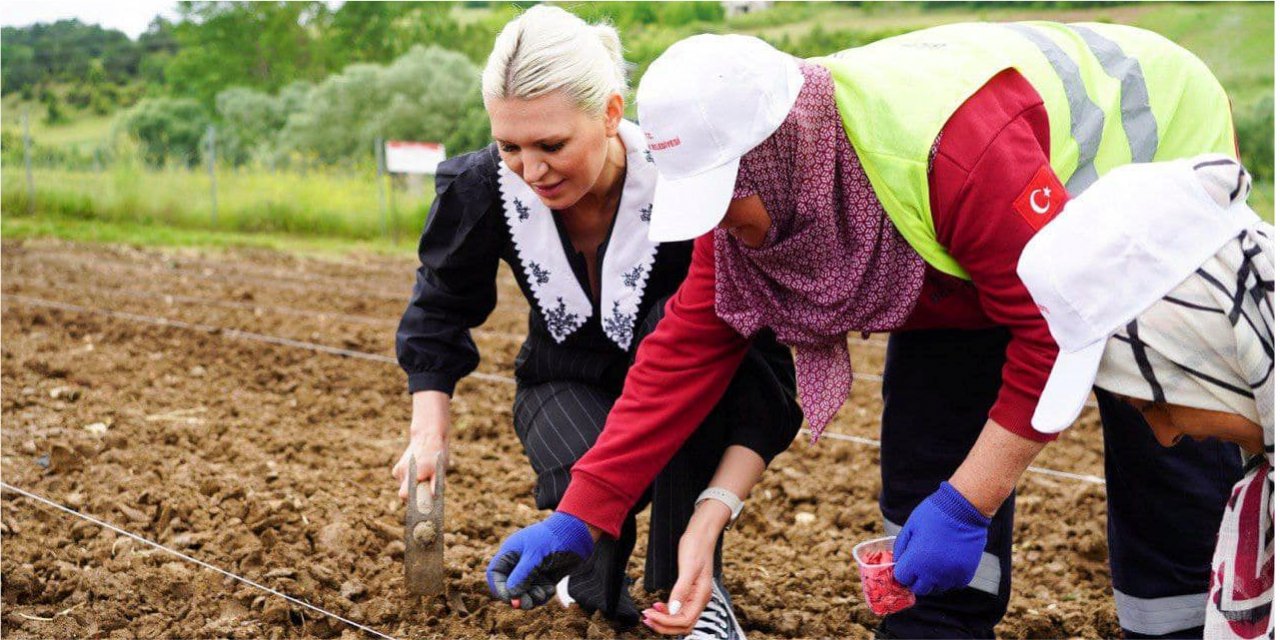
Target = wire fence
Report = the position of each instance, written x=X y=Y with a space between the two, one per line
x=111 y=181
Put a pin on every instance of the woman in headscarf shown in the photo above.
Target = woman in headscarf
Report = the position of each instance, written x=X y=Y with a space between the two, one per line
x=564 y=196
x=1160 y=281
x=892 y=188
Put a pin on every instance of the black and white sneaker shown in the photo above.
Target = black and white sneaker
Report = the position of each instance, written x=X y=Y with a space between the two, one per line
x=717 y=621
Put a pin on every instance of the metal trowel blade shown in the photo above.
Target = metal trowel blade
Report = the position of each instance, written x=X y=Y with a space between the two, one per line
x=424 y=533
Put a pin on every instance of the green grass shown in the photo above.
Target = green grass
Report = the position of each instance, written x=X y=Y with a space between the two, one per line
x=23 y=227
x=84 y=131
x=799 y=18
x=319 y=204
x=1236 y=40
x=1263 y=200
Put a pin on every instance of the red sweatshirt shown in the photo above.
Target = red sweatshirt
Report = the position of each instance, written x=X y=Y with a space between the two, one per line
x=986 y=186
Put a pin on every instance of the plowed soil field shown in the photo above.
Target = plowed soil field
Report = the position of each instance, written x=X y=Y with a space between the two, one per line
x=244 y=408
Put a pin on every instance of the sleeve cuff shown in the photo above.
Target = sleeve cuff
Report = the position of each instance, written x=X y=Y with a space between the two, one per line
x=950 y=501
x=432 y=381
x=595 y=503
x=1013 y=412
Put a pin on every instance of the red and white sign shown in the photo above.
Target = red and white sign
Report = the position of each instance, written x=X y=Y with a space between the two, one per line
x=413 y=157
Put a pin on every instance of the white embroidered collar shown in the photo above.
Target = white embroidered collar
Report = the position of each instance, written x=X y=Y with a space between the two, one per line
x=628 y=258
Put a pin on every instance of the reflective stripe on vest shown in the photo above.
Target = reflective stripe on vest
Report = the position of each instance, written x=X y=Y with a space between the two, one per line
x=1113 y=94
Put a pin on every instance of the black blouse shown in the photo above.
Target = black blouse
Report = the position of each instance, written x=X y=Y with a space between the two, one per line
x=465 y=235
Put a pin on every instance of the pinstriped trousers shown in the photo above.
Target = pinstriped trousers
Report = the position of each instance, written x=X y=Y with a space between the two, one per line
x=558 y=421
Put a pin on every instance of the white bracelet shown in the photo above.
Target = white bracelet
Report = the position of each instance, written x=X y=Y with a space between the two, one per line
x=724 y=496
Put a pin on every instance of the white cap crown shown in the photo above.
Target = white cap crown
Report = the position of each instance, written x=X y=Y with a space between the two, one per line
x=703 y=104
x=1114 y=251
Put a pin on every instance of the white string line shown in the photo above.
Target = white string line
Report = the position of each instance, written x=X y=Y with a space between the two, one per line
x=488 y=377
x=300 y=282
x=401 y=297
x=853 y=342
x=188 y=558
x=261 y=337
x=876 y=443
x=195 y=266
x=140 y=294
x=230 y=333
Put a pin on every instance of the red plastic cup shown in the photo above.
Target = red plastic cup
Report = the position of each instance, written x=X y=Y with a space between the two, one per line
x=884 y=594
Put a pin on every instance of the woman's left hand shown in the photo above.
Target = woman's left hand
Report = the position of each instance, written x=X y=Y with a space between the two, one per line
x=696 y=558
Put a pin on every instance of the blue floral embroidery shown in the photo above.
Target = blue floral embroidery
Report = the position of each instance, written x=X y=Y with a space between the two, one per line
x=540 y=275
x=632 y=277
x=560 y=322
x=646 y=212
x=618 y=326
x=522 y=211
x=648 y=156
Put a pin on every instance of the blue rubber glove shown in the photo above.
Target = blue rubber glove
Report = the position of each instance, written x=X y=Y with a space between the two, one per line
x=532 y=560
x=940 y=546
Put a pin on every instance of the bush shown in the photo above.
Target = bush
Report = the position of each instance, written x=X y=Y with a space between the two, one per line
x=54 y=111
x=168 y=129
x=250 y=120
x=423 y=95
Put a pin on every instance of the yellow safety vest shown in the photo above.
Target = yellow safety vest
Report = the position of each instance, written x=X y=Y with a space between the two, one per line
x=1114 y=95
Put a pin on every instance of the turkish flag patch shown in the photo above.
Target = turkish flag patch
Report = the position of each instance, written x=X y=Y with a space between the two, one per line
x=1041 y=199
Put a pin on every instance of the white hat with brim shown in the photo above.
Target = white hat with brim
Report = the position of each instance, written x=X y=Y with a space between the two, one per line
x=1114 y=251
x=709 y=191
x=1068 y=385
x=703 y=104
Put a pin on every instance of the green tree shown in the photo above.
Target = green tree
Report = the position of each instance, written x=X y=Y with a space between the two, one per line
x=365 y=32
x=63 y=52
x=261 y=45
x=158 y=46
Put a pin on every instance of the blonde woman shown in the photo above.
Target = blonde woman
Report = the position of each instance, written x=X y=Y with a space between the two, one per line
x=564 y=196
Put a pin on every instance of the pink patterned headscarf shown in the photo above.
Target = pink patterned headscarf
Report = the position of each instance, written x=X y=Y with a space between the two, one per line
x=832 y=262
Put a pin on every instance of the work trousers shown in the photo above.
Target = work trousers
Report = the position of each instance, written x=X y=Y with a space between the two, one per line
x=1163 y=504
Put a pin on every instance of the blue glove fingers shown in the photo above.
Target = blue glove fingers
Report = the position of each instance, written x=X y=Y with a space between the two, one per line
x=905 y=576
x=532 y=560
x=540 y=583
x=537 y=596
x=518 y=576
x=497 y=574
x=900 y=544
x=903 y=570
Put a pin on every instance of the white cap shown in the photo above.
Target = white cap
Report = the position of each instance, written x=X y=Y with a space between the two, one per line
x=1114 y=251
x=703 y=104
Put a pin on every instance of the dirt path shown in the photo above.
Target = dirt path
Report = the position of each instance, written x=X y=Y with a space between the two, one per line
x=272 y=462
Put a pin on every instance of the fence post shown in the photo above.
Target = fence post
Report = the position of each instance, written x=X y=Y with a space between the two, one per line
x=26 y=159
x=382 y=196
x=391 y=200
x=213 y=178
